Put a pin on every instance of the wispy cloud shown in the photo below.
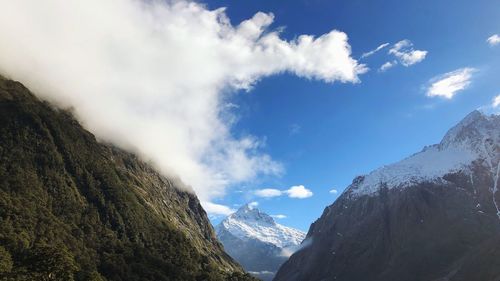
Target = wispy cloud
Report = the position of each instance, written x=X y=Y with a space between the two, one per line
x=493 y=40
x=333 y=191
x=403 y=52
x=495 y=102
x=279 y=216
x=449 y=84
x=298 y=191
x=380 y=47
x=253 y=204
x=217 y=209
x=387 y=65
x=153 y=77
x=406 y=54
x=268 y=192
x=264 y=273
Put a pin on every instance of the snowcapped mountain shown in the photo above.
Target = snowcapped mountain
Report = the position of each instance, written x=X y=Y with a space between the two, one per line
x=257 y=242
x=476 y=137
x=250 y=223
x=432 y=216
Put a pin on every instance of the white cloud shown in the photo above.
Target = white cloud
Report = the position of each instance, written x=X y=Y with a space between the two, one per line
x=264 y=272
x=367 y=54
x=153 y=77
x=449 y=84
x=298 y=191
x=387 y=65
x=279 y=216
x=496 y=101
x=216 y=209
x=334 y=191
x=268 y=192
x=493 y=40
x=406 y=54
x=253 y=204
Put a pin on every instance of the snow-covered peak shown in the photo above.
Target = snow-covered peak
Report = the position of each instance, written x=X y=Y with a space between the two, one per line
x=476 y=137
x=250 y=223
x=251 y=213
x=473 y=131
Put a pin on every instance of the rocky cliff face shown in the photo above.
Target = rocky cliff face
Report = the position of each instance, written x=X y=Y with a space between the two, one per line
x=431 y=216
x=257 y=242
x=75 y=209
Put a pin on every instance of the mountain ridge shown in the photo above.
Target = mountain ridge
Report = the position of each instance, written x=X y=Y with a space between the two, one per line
x=75 y=209
x=411 y=221
x=455 y=152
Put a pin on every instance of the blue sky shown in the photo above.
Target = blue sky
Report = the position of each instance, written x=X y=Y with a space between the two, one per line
x=325 y=134
x=235 y=101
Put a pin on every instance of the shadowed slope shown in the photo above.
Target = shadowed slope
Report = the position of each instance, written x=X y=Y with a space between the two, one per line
x=72 y=208
x=431 y=216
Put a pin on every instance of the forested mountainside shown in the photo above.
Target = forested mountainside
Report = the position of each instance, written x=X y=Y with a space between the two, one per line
x=72 y=208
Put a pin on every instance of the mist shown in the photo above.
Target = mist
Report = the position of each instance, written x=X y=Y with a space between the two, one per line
x=155 y=78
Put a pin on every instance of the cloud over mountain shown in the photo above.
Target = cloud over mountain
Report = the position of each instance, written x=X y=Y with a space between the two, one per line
x=153 y=77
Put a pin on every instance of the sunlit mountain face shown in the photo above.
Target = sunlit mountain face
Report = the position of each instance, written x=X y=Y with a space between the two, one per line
x=202 y=140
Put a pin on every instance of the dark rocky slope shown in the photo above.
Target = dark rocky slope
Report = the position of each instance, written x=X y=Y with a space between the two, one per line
x=418 y=228
x=75 y=209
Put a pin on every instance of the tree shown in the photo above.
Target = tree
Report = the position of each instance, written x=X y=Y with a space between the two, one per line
x=50 y=263
x=5 y=261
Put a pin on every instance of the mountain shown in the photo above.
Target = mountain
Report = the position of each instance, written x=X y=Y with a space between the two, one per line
x=72 y=208
x=432 y=216
x=257 y=242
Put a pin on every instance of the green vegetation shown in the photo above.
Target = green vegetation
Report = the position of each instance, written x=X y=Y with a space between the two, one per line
x=74 y=209
x=5 y=261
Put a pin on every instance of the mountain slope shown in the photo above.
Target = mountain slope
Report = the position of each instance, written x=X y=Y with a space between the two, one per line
x=431 y=216
x=73 y=208
x=257 y=242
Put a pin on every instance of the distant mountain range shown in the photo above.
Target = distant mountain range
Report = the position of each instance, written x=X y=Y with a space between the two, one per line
x=72 y=208
x=257 y=242
x=432 y=216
